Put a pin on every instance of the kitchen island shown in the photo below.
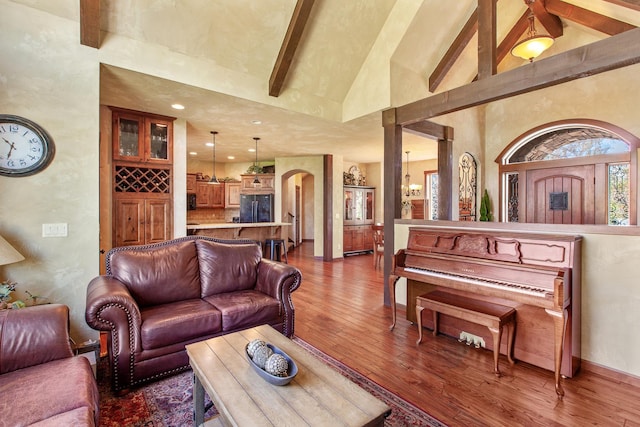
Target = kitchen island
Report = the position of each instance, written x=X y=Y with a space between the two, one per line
x=258 y=231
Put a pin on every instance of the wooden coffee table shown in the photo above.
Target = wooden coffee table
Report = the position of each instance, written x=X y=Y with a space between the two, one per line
x=317 y=396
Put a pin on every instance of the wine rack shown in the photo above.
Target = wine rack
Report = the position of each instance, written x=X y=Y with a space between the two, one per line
x=134 y=179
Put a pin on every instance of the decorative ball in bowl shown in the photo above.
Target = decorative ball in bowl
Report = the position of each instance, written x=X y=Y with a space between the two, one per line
x=272 y=364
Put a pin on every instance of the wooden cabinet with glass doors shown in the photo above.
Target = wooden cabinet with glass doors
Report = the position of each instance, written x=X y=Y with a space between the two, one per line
x=141 y=137
x=142 y=177
x=359 y=206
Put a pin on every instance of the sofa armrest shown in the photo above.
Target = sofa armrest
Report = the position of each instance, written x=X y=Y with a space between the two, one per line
x=280 y=280
x=33 y=335
x=110 y=307
x=277 y=279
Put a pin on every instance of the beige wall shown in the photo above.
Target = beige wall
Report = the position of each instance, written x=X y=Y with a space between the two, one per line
x=48 y=77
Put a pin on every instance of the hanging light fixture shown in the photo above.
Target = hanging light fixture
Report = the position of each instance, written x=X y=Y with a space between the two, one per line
x=213 y=179
x=256 y=180
x=533 y=45
x=407 y=178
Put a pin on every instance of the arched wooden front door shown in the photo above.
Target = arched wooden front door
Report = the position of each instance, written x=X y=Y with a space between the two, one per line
x=561 y=195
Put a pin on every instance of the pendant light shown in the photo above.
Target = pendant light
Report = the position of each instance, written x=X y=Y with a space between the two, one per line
x=533 y=45
x=407 y=178
x=213 y=179
x=256 y=180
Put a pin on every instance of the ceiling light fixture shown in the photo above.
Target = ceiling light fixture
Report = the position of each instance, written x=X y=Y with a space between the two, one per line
x=177 y=106
x=533 y=45
x=407 y=178
x=256 y=180
x=213 y=179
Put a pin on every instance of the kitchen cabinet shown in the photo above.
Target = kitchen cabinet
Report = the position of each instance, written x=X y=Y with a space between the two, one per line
x=267 y=183
x=359 y=206
x=140 y=137
x=232 y=194
x=191 y=183
x=139 y=221
x=209 y=195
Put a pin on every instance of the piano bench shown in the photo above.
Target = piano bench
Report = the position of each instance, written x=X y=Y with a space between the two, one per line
x=493 y=316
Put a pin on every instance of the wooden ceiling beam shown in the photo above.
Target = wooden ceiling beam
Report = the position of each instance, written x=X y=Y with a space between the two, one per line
x=487 y=12
x=90 y=23
x=454 y=52
x=288 y=49
x=631 y=4
x=510 y=40
x=609 y=54
x=549 y=21
x=585 y=17
x=428 y=129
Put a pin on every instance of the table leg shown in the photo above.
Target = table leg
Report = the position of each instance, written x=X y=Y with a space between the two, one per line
x=419 y=317
x=198 y=401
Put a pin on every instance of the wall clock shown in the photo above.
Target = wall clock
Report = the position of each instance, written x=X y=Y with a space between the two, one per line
x=25 y=147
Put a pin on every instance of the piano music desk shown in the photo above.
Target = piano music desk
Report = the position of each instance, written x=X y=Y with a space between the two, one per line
x=493 y=316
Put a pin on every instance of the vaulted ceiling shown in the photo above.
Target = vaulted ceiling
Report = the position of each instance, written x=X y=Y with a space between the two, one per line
x=318 y=86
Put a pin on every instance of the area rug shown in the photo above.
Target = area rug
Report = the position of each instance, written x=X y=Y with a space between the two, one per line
x=169 y=402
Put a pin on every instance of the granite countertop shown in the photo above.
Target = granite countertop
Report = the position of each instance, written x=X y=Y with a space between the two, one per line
x=202 y=226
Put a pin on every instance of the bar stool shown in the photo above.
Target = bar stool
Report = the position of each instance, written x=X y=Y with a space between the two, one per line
x=275 y=246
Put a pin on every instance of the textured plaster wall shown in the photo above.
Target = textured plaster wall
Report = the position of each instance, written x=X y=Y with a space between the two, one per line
x=371 y=88
x=610 y=271
x=48 y=77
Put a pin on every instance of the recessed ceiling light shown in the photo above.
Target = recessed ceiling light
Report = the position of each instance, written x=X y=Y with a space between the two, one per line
x=177 y=106
x=193 y=153
x=209 y=144
x=256 y=122
x=231 y=157
x=252 y=150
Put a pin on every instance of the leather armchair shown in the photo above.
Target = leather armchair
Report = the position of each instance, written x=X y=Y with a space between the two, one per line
x=40 y=378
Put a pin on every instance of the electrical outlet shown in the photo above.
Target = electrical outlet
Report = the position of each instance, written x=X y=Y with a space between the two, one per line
x=471 y=339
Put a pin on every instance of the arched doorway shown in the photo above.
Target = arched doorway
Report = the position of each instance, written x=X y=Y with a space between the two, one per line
x=297 y=204
x=570 y=172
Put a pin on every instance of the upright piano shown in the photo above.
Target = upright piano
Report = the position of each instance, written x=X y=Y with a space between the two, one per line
x=537 y=274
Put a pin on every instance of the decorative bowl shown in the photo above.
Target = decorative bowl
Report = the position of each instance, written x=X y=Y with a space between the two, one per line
x=273 y=379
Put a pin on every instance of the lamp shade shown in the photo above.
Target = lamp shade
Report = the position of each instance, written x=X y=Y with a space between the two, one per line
x=8 y=255
x=532 y=47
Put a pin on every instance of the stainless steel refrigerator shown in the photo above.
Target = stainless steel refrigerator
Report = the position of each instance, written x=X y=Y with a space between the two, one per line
x=256 y=208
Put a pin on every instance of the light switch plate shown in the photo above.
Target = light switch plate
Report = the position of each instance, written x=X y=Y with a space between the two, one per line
x=55 y=230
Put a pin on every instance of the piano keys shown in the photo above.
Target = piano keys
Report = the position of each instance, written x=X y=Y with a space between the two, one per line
x=538 y=274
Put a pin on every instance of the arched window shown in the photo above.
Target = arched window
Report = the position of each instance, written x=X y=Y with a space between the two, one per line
x=570 y=172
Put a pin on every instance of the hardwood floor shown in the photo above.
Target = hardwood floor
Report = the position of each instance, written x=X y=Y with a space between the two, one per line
x=340 y=310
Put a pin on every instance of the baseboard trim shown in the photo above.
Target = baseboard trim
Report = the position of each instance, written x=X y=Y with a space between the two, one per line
x=614 y=374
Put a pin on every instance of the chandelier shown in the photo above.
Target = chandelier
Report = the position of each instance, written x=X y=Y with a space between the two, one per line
x=407 y=178
x=533 y=45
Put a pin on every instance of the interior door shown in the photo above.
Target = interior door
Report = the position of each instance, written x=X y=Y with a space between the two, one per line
x=561 y=195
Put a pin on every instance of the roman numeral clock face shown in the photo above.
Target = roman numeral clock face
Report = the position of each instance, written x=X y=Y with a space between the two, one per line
x=25 y=147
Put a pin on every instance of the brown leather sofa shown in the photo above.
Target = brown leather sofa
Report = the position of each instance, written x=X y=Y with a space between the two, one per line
x=155 y=299
x=41 y=382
